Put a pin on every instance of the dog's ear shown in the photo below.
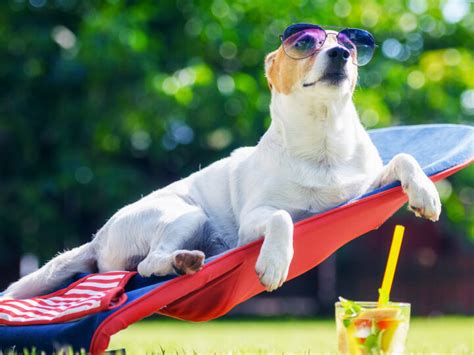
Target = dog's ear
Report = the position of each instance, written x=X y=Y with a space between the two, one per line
x=269 y=61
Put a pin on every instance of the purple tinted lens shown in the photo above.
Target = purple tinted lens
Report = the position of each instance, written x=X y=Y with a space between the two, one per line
x=346 y=42
x=343 y=40
x=360 y=42
x=304 y=43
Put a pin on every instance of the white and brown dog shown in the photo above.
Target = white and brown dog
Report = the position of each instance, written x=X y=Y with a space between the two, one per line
x=315 y=155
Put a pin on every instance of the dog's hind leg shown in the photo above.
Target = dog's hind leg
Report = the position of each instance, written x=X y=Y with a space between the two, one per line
x=166 y=255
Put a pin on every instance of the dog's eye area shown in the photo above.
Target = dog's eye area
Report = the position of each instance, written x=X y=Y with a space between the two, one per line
x=360 y=43
x=346 y=42
x=304 y=43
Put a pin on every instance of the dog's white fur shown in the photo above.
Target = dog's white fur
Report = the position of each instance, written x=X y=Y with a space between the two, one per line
x=314 y=156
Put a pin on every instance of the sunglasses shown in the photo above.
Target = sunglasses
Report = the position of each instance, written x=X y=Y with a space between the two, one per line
x=302 y=40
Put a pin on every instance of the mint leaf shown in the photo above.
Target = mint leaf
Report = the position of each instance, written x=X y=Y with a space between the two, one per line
x=371 y=342
x=351 y=308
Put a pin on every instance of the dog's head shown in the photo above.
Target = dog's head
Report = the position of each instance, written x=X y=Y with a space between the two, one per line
x=312 y=61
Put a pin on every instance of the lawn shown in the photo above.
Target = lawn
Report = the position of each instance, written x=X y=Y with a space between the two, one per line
x=442 y=335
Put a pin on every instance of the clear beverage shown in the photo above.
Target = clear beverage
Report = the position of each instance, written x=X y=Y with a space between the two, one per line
x=364 y=328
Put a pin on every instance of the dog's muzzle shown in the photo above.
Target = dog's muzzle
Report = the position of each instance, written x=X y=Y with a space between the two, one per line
x=335 y=72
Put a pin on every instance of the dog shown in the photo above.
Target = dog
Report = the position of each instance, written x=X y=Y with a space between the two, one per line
x=314 y=156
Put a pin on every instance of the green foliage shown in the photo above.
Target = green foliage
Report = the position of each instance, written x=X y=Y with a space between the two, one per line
x=104 y=101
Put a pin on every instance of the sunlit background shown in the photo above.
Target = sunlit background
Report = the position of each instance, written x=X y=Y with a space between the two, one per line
x=102 y=102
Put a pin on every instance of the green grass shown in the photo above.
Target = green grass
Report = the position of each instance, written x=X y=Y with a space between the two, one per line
x=444 y=335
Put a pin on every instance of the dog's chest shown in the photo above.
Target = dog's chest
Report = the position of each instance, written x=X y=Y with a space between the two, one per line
x=320 y=198
x=319 y=189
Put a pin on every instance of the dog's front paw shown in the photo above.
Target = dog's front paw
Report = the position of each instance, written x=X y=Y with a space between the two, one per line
x=423 y=198
x=272 y=266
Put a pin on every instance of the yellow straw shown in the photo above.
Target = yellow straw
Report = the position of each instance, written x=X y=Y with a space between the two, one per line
x=384 y=292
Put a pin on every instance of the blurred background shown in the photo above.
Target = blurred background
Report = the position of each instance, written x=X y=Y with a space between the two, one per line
x=102 y=102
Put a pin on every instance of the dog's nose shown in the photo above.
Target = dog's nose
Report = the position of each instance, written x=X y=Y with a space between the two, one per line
x=338 y=54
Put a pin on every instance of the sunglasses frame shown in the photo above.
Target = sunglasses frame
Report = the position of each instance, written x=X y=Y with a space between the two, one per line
x=308 y=26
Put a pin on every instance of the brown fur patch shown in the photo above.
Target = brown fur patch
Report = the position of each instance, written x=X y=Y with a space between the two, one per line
x=354 y=79
x=283 y=72
x=188 y=262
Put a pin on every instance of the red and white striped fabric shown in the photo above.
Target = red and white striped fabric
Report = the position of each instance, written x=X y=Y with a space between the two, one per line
x=91 y=294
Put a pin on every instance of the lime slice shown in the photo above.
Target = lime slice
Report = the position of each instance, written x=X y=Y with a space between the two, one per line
x=380 y=313
x=388 y=335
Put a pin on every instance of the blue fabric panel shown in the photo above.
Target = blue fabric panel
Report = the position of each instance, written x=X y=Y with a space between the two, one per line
x=435 y=147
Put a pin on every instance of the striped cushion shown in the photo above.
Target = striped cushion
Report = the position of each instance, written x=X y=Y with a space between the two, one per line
x=91 y=294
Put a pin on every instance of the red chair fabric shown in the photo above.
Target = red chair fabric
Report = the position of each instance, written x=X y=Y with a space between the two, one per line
x=231 y=279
